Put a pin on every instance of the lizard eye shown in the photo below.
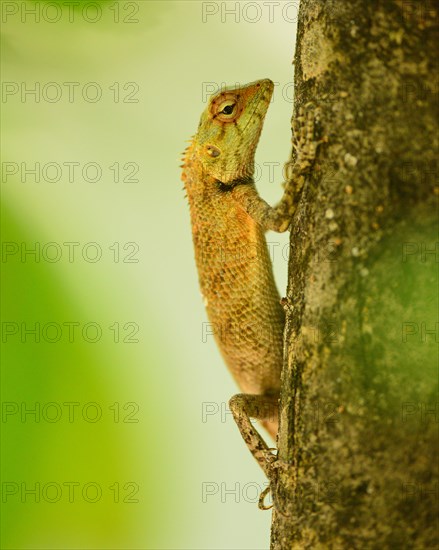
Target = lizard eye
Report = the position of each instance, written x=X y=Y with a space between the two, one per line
x=228 y=109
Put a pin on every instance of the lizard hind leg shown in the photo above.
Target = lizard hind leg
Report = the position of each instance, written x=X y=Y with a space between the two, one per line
x=265 y=408
x=260 y=407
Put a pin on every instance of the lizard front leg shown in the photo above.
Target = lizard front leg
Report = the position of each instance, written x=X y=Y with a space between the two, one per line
x=278 y=218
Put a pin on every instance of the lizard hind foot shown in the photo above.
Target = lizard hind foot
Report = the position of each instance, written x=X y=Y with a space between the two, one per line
x=263 y=506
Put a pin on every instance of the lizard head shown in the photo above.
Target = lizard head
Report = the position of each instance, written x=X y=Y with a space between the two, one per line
x=229 y=130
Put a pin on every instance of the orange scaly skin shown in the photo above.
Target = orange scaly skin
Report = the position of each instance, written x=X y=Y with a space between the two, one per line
x=229 y=220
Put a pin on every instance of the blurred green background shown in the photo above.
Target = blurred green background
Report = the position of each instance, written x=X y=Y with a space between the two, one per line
x=118 y=453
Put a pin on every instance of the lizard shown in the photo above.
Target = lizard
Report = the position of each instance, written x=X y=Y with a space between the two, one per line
x=229 y=220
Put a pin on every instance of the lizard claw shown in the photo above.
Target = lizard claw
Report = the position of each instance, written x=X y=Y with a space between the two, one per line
x=262 y=506
x=262 y=496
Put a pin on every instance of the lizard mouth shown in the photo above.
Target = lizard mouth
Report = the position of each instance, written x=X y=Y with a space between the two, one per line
x=261 y=86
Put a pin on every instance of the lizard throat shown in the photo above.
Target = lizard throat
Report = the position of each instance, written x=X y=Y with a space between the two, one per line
x=227 y=187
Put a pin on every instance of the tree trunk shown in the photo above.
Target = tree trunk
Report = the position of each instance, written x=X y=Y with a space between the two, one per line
x=358 y=440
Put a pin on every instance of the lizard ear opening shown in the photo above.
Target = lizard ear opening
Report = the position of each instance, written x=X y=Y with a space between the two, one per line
x=213 y=151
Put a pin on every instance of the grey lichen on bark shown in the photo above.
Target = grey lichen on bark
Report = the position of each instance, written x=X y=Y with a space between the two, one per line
x=358 y=441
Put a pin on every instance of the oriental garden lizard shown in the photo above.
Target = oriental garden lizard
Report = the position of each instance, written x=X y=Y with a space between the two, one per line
x=229 y=220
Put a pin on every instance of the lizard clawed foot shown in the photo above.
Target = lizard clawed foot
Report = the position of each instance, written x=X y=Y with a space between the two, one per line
x=274 y=465
x=303 y=127
x=262 y=505
x=271 y=459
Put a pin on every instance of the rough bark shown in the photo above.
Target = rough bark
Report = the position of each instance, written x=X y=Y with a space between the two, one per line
x=358 y=441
